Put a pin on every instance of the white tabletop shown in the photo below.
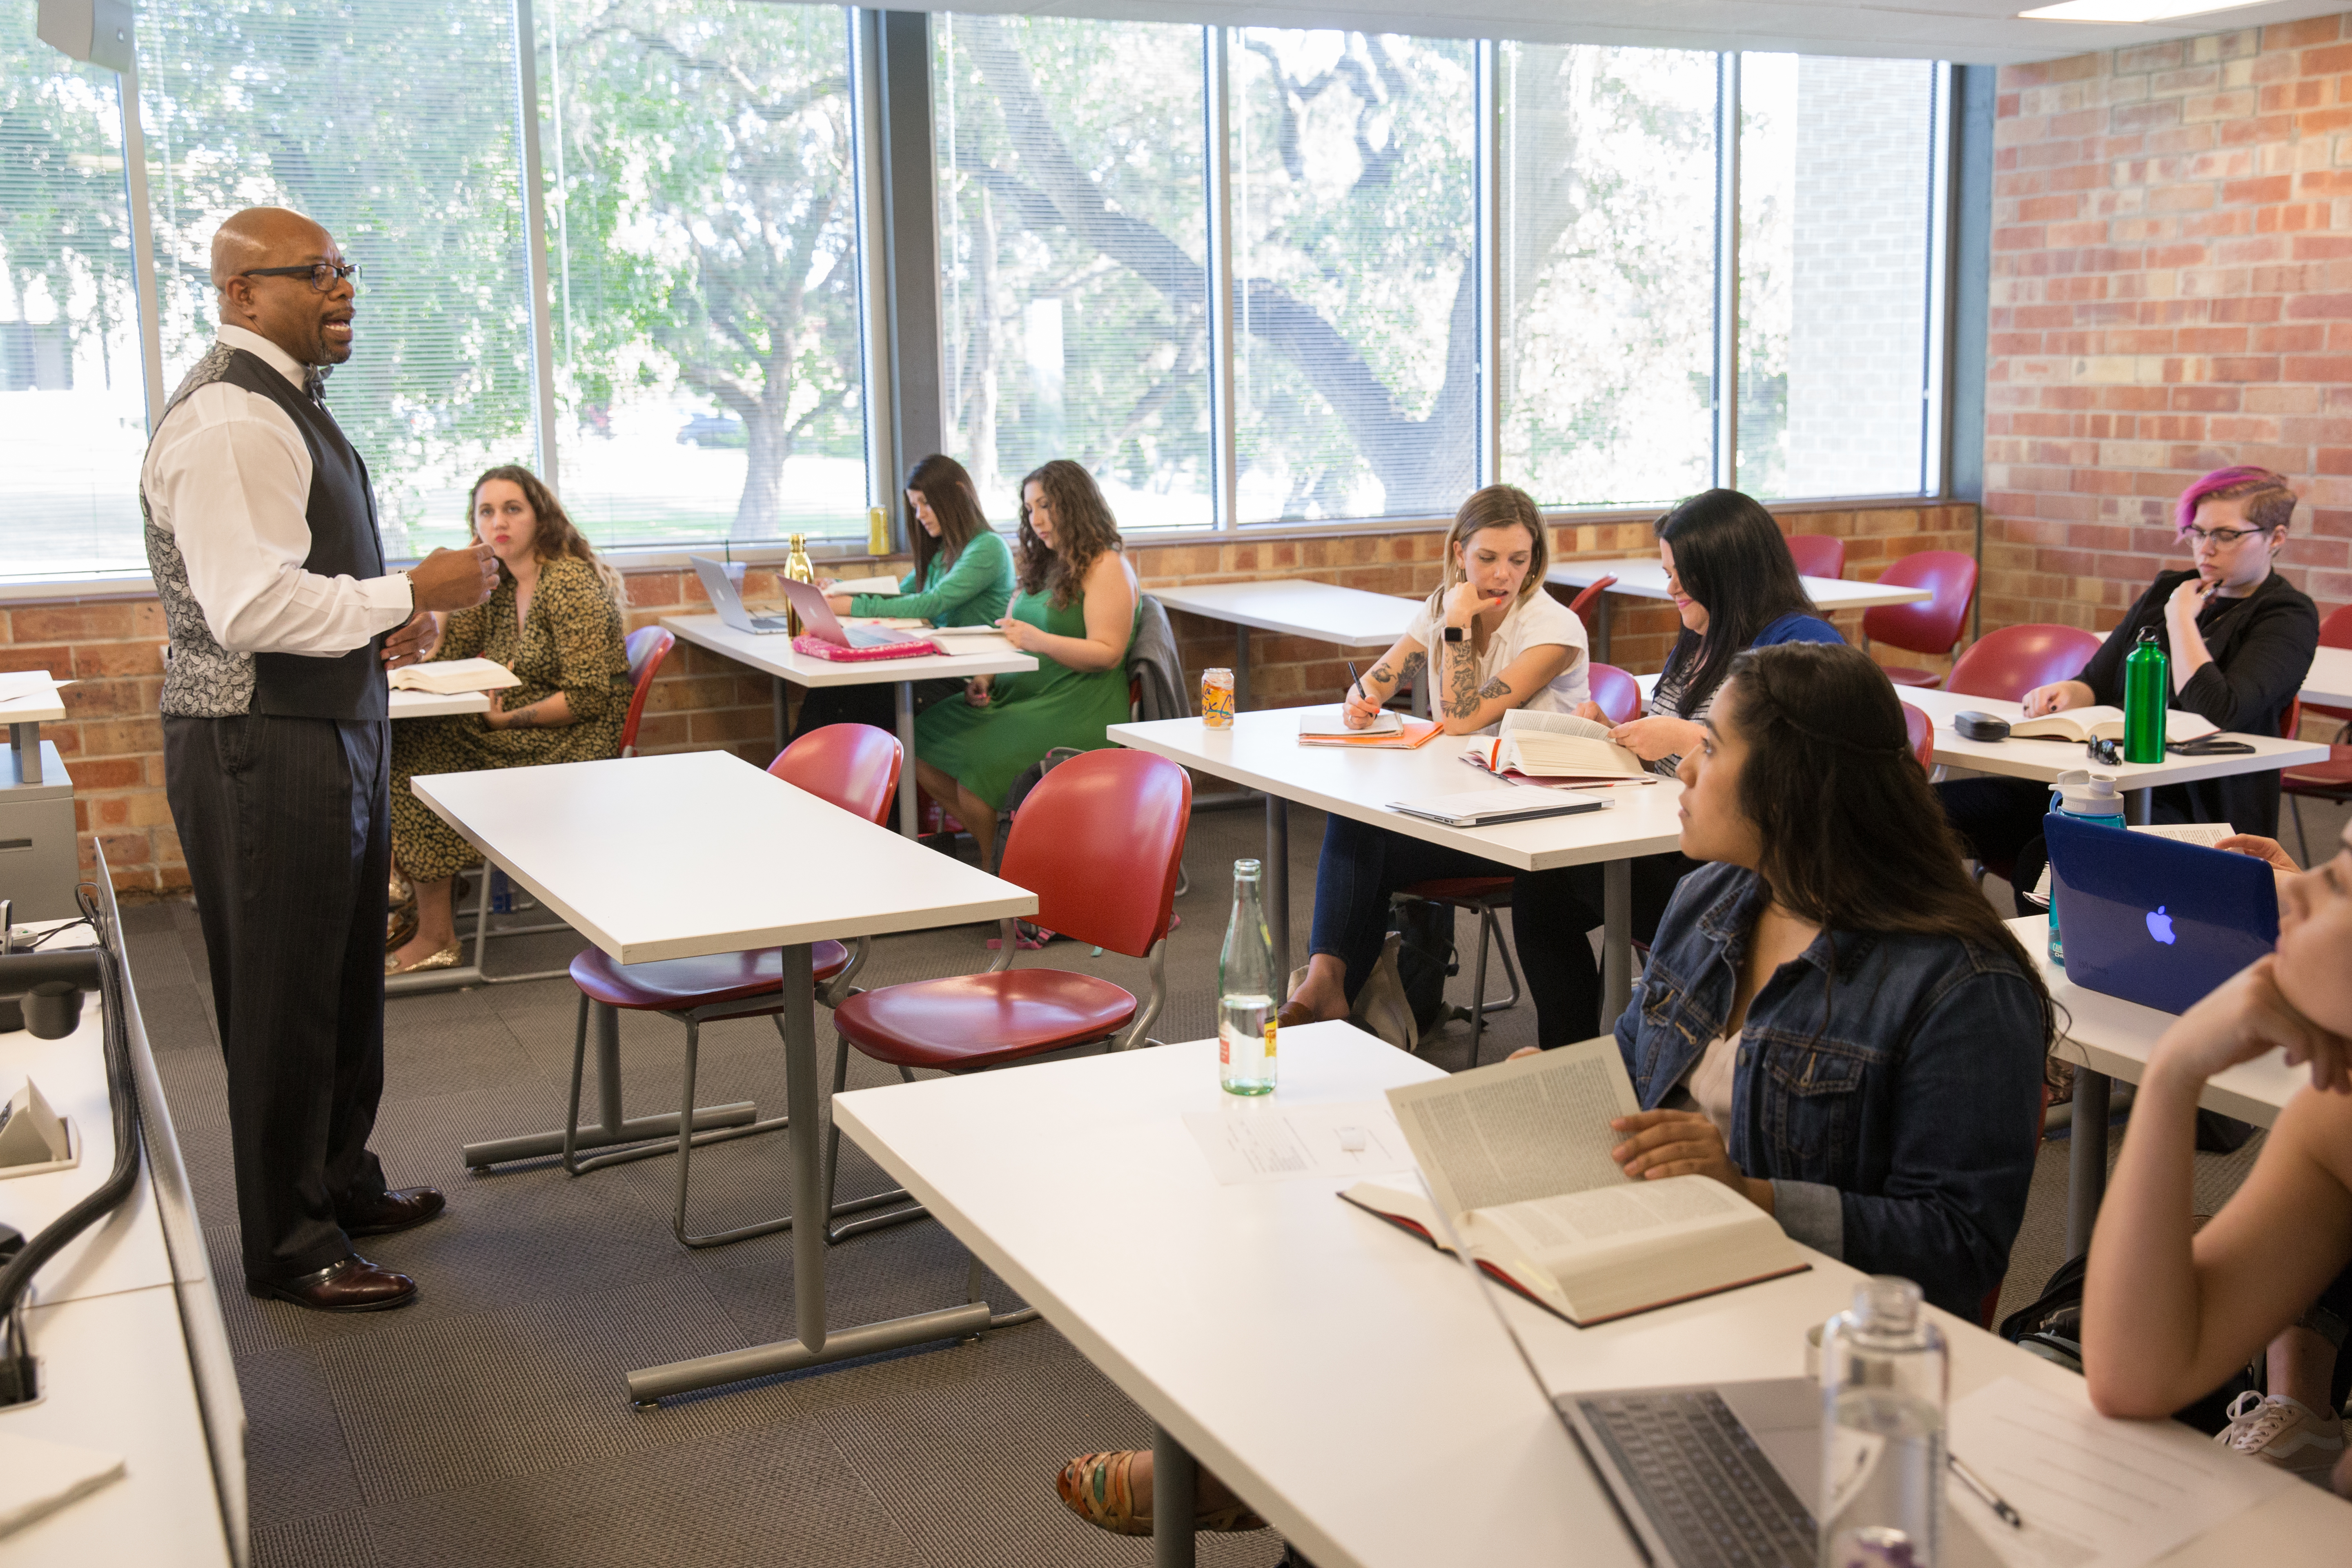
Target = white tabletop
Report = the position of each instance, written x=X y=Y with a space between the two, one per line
x=1349 y=1382
x=1262 y=750
x=772 y=652
x=700 y=852
x=2109 y=1035
x=2045 y=760
x=41 y=706
x=1646 y=579
x=1350 y=617
x=2330 y=680
x=434 y=704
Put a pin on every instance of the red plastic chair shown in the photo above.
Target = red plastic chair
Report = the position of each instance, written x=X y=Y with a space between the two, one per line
x=1932 y=625
x=853 y=766
x=1586 y=597
x=1922 y=732
x=647 y=648
x=1100 y=841
x=1817 y=554
x=2011 y=661
x=1616 y=693
x=2330 y=780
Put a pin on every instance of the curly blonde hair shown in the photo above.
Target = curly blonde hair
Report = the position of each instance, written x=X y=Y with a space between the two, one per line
x=1083 y=526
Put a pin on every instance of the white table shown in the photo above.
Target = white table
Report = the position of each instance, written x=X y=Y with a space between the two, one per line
x=435 y=704
x=1294 y=606
x=1262 y=750
x=774 y=653
x=700 y=852
x=1351 y=1385
x=2330 y=680
x=25 y=716
x=1645 y=578
x=2106 y=1038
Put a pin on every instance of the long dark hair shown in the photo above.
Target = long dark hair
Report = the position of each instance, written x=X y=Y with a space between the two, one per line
x=1730 y=556
x=1854 y=838
x=954 y=501
x=1083 y=530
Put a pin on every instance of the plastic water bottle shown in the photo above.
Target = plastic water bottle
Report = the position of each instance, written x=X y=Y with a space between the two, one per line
x=2086 y=797
x=1883 y=1382
x=1246 y=992
x=2147 y=697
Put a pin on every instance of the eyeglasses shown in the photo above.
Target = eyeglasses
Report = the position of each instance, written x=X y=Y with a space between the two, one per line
x=323 y=275
x=2224 y=537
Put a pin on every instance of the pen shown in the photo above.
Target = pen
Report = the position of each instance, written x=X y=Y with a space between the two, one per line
x=1355 y=681
x=1992 y=1499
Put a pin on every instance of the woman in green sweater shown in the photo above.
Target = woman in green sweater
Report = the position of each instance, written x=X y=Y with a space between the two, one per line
x=962 y=578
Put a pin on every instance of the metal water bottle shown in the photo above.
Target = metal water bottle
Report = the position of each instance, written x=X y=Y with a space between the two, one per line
x=1246 y=992
x=2086 y=797
x=797 y=568
x=1883 y=1383
x=2148 y=696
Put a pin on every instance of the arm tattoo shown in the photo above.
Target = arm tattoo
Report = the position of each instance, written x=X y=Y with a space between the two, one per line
x=1462 y=683
x=1414 y=663
x=1380 y=672
x=1492 y=689
x=521 y=719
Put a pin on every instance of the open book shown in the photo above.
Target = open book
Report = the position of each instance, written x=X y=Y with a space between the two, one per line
x=971 y=639
x=2080 y=724
x=1555 y=748
x=879 y=586
x=2208 y=833
x=1516 y=1156
x=448 y=677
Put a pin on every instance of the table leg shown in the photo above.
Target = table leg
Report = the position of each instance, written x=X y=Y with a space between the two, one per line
x=2086 y=1159
x=2139 y=806
x=781 y=716
x=1240 y=667
x=1616 y=940
x=26 y=740
x=1277 y=888
x=818 y=1344
x=907 y=823
x=1175 y=1474
x=1601 y=627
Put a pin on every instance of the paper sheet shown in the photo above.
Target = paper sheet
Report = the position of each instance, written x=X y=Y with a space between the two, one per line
x=1264 y=1141
x=2094 y=1492
x=2208 y=833
x=25 y=685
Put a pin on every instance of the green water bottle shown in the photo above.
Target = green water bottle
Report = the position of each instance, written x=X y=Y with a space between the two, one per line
x=2148 y=696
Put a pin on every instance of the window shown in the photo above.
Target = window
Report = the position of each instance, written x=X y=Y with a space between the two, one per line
x=1073 y=240
x=393 y=123
x=1355 y=318
x=1606 y=236
x=72 y=389
x=1835 y=172
x=703 y=257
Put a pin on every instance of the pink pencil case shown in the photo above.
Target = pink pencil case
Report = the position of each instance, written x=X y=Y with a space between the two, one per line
x=818 y=647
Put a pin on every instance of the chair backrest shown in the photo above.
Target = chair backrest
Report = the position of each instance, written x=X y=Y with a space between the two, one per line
x=1100 y=841
x=2292 y=721
x=853 y=766
x=2011 y=662
x=1817 y=554
x=647 y=648
x=1583 y=600
x=1616 y=692
x=2336 y=631
x=1922 y=731
x=1933 y=624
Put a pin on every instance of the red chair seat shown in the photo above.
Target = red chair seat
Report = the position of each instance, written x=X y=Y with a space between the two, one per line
x=1902 y=675
x=675 y=985
x=1459 y=889
x=972 y=1021
x=2333 y=774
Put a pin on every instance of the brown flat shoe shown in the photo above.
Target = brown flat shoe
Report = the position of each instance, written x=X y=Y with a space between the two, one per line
x=350 y=1284
x=401 y=1210
x=1096 y=1488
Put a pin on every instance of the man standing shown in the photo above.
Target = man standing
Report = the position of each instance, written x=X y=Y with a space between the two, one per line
x=261 y=534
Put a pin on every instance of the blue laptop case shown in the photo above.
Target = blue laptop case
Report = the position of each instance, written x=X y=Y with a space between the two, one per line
x=2155 y=921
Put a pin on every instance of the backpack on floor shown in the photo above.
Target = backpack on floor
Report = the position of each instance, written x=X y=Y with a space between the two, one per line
x=1426 y=957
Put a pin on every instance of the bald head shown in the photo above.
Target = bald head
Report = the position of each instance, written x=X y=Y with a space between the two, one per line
x=265 y=237
x=312 y=325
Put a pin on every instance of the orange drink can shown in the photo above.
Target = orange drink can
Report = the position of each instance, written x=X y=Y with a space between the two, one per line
x=1217 y=698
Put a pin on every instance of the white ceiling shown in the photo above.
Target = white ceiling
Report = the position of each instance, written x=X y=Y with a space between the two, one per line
x=1986 y=32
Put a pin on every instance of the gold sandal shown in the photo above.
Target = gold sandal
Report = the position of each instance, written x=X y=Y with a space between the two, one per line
x=445 y=959
x=1098 y=1488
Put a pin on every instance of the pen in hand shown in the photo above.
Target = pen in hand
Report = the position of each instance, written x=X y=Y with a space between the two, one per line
x=1992 y=1499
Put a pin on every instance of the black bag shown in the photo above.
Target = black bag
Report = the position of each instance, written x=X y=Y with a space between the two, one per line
x=1426 y=957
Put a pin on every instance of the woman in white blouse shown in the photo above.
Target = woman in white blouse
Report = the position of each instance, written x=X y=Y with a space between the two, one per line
x=1492 y=640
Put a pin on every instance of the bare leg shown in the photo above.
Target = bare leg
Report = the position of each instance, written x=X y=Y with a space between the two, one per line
x=1324 y=991
x=978 y=817
x=436 y=923
x=2302 y=1364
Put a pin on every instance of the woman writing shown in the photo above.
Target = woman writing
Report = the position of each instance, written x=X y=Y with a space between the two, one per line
x=555 y=622
x=1076 y=611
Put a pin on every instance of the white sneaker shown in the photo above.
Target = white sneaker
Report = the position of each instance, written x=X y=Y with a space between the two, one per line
x=2285 y=1432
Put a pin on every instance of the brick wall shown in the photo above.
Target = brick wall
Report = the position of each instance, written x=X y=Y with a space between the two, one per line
x=2171 y=292
x=111 y=742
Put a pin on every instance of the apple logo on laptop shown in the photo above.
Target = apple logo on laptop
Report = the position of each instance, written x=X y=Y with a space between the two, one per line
x=2159 y=926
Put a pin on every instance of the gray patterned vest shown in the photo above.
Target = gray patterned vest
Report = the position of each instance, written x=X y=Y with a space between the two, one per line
x=202 y=679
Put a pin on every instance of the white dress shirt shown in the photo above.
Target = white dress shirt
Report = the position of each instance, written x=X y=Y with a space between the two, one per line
x=228 y=477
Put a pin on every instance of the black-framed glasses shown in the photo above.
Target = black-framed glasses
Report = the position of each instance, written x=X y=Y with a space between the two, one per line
x=323 y=275
x=2224 y=537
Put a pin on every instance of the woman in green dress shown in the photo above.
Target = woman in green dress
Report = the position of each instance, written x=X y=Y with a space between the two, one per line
x=962 y=578
x=1076 y=611
x=554 y=621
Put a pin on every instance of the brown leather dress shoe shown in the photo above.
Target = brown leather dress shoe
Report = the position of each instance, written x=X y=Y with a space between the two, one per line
x=397 y=1210
x=352 y=1284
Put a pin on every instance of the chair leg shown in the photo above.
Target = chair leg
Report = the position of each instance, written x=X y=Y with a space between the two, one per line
x=971 y=1284
x=836 y=1233
x=1478 y=995
x=1491 y=930
x=685 y=1143
x=572 y=1110
x=657 y=1142
x=2294 y=804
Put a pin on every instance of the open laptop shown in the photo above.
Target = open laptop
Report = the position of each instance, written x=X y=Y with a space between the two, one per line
x=2154 y=921
x=721 y=590
x=817 y=619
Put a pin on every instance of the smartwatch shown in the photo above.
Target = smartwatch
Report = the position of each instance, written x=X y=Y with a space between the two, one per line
x=1457 y=633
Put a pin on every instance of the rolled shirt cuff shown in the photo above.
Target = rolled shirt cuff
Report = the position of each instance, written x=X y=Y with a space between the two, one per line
x=1811 y=1213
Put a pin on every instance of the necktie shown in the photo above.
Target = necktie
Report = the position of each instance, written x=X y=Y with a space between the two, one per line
x=314 y=382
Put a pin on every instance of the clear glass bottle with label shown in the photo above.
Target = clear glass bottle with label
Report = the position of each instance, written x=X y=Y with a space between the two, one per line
x=1246 y=1001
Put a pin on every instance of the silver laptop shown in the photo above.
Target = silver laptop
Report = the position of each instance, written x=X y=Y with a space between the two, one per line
x=724 y=599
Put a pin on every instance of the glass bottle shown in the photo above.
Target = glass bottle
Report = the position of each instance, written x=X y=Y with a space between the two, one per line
x=1884 y=1378
x=797 y=568
x=2147 y=695
x=877 y=532
x=1246 y=992
x=2086 y=797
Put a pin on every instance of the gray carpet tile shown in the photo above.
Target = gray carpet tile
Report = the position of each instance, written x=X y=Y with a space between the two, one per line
x=325 y=1540
x=298 y=1464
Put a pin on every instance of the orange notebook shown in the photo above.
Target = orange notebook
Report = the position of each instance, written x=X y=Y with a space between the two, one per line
x=1413 y=733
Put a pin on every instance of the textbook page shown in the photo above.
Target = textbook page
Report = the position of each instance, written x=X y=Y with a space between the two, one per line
x=2208 y=833
x=1528 y=1129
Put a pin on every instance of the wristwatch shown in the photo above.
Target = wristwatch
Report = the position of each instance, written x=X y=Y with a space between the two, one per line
x=1457 y=633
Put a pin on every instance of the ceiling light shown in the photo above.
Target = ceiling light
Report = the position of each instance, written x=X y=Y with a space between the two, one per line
x=2129 y=10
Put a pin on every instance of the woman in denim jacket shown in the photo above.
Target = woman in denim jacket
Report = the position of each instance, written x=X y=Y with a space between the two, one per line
x=1832 y=1021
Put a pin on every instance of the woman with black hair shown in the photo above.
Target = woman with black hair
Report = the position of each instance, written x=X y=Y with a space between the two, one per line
x=1735 y=587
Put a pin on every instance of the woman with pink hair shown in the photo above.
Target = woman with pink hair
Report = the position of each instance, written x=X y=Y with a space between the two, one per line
x=2240 y=637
